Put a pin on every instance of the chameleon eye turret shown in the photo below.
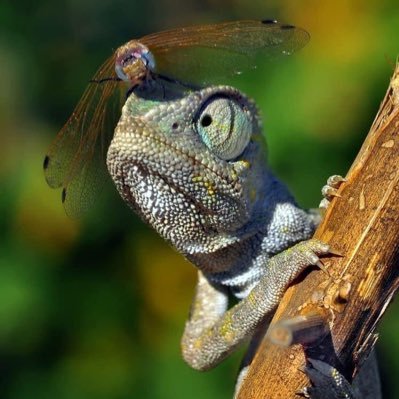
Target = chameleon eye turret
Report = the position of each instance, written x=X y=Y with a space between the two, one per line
x=225 y=126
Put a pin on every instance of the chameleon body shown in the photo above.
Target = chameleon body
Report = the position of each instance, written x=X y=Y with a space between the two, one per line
x=192 y=164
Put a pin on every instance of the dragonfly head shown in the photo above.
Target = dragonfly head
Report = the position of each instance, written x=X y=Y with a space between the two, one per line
x=134 y=62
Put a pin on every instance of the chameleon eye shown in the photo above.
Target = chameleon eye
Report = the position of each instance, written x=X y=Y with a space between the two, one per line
x=224 y=127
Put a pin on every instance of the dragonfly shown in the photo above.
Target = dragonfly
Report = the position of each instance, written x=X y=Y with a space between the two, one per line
x=200 y=54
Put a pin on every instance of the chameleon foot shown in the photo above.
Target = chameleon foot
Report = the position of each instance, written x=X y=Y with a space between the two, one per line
x=327 y=382
x=329 y=191
x=294 y=261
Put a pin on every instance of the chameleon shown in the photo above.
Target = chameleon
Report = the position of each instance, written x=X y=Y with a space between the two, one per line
x=192 y=163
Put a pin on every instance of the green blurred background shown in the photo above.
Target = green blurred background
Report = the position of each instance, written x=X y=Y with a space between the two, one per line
x=94 y=308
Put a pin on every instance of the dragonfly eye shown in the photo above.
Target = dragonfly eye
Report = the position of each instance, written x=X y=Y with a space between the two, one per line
x=133 y=61
x=128 y=65
x=120 y=73
x=225 y=127
x=128 y=58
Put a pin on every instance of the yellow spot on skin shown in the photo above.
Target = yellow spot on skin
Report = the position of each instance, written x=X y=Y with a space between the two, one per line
x=388 y=144
x=210 y=187
x=240 y=167
x=252 y=298
x=252 y=194
x=246 y=163
x=225 y=329
x=198 y=343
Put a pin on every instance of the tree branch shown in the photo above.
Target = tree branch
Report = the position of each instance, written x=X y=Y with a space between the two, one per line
x=363 y=225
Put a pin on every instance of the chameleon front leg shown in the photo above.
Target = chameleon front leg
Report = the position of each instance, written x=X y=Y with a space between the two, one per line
x=213 y=332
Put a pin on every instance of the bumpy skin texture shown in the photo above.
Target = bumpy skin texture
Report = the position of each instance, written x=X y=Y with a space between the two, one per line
x=192 y=164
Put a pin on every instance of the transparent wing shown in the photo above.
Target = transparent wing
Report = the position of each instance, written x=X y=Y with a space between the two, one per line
x=206 y=53
x=76 y=158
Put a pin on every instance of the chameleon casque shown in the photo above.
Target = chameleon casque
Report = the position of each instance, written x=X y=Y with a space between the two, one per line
x=192 y=164
x=191 y=161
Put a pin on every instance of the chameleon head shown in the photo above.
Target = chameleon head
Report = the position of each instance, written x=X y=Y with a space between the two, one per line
x=133 y=61
x=191 y=164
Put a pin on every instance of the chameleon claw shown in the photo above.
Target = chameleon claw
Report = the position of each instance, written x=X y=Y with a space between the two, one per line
x=302 y=369
x=304 y=392
x=322 y=267
x=333 y=251
x=336 y=181
x=329 y=192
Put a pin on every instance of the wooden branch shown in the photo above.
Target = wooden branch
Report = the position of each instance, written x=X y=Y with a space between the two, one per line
x=363 y=225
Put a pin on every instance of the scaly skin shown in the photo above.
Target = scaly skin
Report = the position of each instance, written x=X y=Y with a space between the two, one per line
x=192 y=164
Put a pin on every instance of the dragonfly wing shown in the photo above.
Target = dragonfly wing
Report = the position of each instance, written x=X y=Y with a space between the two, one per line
x=206 y=53
x=201 y=65
x=76 y=158
x=79 y=193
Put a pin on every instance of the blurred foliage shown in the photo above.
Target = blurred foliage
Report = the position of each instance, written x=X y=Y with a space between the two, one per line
x=94 y=308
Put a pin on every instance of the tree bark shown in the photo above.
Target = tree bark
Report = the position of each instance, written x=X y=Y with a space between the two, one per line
x=362 y=225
